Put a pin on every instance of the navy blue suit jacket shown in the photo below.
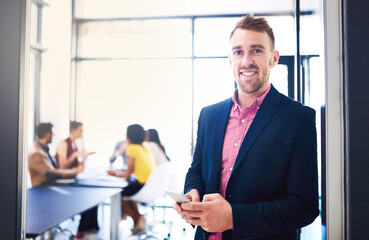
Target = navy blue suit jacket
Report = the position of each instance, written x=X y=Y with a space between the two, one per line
x=273 y=188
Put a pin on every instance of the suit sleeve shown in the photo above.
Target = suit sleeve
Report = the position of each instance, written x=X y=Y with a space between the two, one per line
x=194 y=174
x=37 y=163
x=299 y=205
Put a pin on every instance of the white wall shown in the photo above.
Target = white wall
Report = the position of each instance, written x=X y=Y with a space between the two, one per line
x=55 y=70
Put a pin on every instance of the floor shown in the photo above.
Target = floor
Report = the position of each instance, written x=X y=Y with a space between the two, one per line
x=175 y=227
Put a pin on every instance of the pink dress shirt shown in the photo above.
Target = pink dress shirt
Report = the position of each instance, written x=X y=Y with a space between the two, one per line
x=238 y=124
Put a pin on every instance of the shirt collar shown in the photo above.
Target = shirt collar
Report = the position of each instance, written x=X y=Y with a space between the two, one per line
x=255 y=104
x=45 y=148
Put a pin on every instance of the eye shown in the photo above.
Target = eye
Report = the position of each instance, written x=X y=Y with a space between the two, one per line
x=238 y=52
x=257 y=51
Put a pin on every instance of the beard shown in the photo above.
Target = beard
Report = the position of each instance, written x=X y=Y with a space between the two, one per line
x=254 y=85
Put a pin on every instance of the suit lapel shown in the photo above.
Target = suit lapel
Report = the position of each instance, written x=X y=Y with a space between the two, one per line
x=219 y=133
x=265 y=113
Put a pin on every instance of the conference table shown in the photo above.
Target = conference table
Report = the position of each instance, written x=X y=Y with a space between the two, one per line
x=49 y=205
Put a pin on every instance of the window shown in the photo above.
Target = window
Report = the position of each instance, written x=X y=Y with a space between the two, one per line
x=32 y=85
x=140 y=67
x=154 y=93
x=36 y=50
x=158 y=72
x=135 y=39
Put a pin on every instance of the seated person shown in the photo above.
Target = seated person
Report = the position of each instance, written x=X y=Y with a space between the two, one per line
x=41 y=165
x=119 y=150
x=140 y=163
x=152 y=142
x=67 y=157
x=67 y=153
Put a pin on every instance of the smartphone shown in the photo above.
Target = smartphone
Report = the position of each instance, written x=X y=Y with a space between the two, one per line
x=177 y=196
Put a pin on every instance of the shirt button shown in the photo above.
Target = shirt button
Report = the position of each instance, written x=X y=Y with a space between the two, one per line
x=258 y=107
x=235 y=144
x=231 y=168
x=243 y=120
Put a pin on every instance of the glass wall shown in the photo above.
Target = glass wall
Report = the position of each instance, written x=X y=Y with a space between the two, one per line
x=313 y=89
x=32 y=83
x=48 y=85
x=36 y=50
x=154 y=93
x=148 y=70
x=159 y=65
x=161 y=38
x=135 y=71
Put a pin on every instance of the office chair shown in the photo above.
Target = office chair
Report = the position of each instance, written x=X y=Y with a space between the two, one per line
x=153 y=189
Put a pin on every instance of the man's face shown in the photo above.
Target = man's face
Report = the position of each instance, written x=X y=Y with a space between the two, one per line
x=252 y=59
x=49 y=137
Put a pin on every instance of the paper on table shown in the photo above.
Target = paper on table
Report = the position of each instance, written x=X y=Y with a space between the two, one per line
x=109 y=178
x=65 y=180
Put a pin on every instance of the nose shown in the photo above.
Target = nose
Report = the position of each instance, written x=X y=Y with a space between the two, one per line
x=247 y=60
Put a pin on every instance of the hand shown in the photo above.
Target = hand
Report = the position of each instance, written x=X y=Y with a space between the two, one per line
x=76 y=154
x=208 y=213
x=80 y=168
x=111 y=172
x=193 y=195
x=82 y=153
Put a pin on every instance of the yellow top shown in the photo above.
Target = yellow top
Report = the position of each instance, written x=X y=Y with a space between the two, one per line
x=143 y=161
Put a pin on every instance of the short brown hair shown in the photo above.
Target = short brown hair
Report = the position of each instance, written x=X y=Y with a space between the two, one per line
x=260 y=24
x=44 y=128
x=73 y=125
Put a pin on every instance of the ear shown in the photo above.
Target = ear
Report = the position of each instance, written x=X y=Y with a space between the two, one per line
x=275 y=58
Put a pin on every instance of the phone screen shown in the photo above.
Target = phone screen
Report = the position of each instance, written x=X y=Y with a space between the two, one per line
x=177 y=196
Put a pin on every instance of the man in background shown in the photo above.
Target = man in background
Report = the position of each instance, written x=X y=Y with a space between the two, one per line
x=41 y=164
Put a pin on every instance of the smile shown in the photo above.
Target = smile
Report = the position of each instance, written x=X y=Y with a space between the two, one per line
x=247 y=73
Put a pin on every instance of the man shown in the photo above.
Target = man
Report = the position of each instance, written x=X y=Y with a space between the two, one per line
x=41 y=165
x=254 y=170
x=119 y=150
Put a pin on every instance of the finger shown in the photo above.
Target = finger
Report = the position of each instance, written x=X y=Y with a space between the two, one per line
x=193 y=206
x=196 y=221
x=177 y=208
x=211 y=197
x=193 y=195
x=192 y=214
x=195 y=198
x=188 y=218
x=188 y=195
